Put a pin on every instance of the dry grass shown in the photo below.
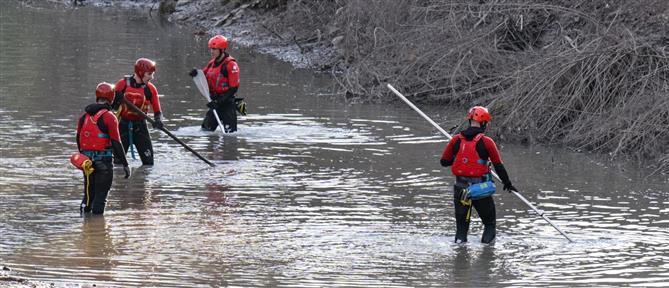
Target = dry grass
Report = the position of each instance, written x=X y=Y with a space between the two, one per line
x=587 y=74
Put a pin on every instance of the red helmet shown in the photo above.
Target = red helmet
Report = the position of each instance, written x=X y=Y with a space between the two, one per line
x=218 y=42
x=143 y=65
x=106 y=91
x=479 y=114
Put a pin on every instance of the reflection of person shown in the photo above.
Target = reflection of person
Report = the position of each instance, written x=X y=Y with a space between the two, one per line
x=471 y=269
x=225 y=150
x=135 y=194
x=217 y=194
x=137 y=90
x=222 y=75
x=97 y=245
x=98 y=138
x=469 y=154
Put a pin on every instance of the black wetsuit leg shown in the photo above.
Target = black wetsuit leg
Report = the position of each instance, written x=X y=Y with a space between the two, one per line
x=486 y=209
x=461 y=223
x=99 y=183
x=142 y=140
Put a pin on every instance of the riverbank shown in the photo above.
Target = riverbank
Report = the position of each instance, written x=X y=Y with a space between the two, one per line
x=587 y=76
x=591 y=76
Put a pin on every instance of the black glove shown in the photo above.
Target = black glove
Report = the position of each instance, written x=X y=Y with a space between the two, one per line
x=213 y=104
x=157 y=122
x=508 y=187
x=193 y=72
x=126 y=169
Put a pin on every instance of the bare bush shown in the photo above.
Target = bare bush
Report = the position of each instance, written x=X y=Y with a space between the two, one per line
x=589 y=74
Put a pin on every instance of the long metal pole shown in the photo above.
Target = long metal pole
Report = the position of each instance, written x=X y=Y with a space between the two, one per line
x=140 y=112
x=539 y=212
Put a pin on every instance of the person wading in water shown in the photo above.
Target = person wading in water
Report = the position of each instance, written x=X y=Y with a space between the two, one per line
x=98 y=139
x=469 y=155
x=222 y=75
x=137 y=90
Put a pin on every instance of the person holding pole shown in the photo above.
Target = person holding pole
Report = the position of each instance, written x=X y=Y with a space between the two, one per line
x=481 y=191
x=469 y=154
x=138 y=90
x=222 y=73
x=97 y=140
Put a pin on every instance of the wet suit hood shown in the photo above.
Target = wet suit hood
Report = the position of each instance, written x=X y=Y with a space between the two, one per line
x=471 y=132
x=94 y=108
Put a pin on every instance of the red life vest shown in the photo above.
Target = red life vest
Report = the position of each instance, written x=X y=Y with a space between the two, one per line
x=140 y=96
x=217 y=76
x=91 y=138
x=467 y=161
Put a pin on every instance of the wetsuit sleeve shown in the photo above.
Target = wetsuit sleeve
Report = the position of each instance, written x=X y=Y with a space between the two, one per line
x=233 y=74
x=493 y=152
x=119 y=89
x=230 y=93
x=496 y=160
x=447 y=156
x=79 y=123
x=155 y=101
x=501 y=172
x=115 y=137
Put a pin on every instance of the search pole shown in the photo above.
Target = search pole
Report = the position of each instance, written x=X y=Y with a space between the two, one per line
x=539 y=212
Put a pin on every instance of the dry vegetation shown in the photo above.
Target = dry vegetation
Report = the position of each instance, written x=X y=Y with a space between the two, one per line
x=593 y=75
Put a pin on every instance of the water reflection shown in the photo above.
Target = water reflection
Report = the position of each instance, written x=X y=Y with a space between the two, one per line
x=473 y=268
x=97 y=248
x=220 y=195
x=310 y=192
x=132 y=193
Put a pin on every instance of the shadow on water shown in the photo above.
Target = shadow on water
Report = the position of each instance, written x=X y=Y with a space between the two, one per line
x=310 y=192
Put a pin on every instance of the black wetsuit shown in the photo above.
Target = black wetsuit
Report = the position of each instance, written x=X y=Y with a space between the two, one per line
x=98 y=183
x=485 y=207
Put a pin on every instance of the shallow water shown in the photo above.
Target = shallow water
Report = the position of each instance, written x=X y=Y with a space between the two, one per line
x=310 y=192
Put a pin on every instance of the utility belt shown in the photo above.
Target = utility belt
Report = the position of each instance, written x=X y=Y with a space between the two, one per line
x=98 y=155
x=475 y=187
x=464 y=182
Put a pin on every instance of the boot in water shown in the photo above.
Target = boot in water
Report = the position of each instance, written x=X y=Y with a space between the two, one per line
x=488 y=233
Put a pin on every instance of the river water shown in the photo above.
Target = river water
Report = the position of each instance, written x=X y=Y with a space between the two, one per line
x=312 y=191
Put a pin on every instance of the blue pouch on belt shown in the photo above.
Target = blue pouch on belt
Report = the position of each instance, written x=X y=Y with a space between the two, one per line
x=480 y=190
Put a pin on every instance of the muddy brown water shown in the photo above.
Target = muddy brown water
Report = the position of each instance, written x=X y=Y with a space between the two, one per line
x=311 y=192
